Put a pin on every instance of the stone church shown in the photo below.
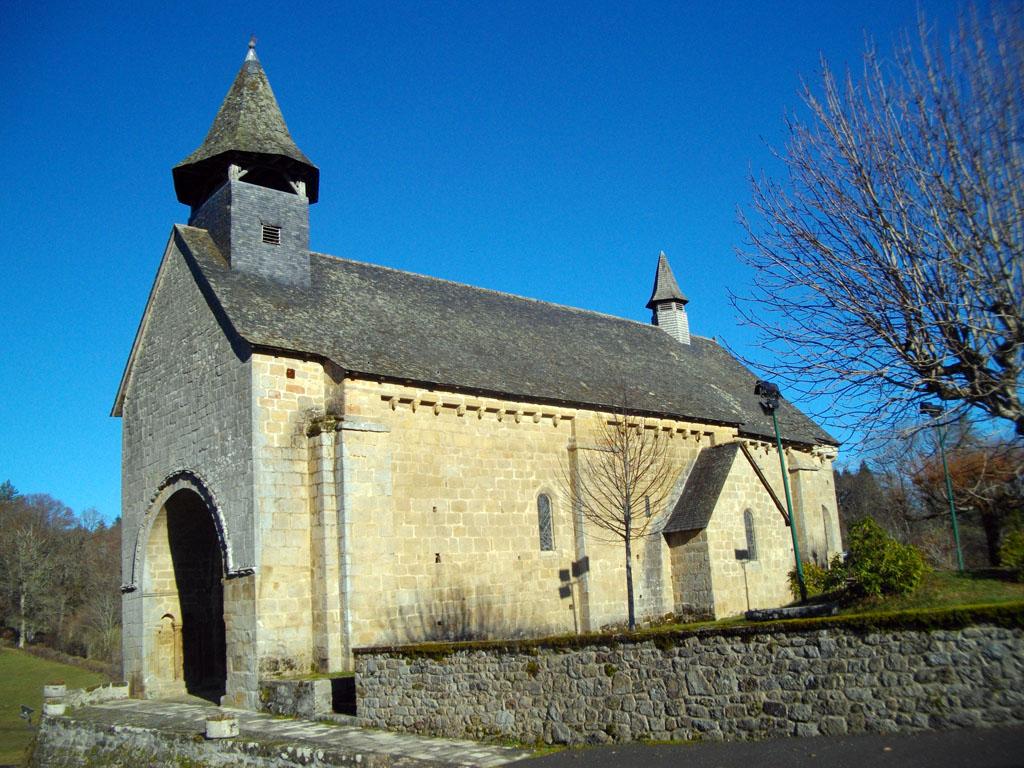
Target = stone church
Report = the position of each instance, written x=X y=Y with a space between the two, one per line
x=321 y=454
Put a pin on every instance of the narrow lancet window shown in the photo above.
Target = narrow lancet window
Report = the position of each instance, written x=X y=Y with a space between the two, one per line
x=547 y=535
x=748 y=524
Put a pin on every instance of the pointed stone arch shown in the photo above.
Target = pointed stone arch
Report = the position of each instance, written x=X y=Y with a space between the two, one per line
x=178 y=480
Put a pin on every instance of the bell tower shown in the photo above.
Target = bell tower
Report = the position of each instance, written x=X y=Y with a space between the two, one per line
x=249 y=185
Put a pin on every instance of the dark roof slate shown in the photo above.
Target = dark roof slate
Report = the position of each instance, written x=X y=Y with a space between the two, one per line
x=665 y=286
x=249 y=119
x=383 y=322
x=703 y=487
x=248 y=123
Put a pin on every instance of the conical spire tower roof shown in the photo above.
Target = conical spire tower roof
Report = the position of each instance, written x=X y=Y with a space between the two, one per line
x=665 y=286
x=248 y=131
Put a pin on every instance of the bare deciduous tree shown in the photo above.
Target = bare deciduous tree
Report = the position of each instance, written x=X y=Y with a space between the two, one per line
x=27 y=565
x=905 y=491
x=59 y=578
x=889 y=262
x=621 y=482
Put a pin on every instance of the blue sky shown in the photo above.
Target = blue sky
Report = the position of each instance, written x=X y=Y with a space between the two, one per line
x=545 y=149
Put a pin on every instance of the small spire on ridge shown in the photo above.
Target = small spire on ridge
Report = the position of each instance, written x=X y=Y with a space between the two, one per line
x=668 y=304
x=665 y=286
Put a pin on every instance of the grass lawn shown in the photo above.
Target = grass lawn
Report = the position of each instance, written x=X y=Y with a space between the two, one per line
x=945 y=589
x=938 y=589
x=22 y=677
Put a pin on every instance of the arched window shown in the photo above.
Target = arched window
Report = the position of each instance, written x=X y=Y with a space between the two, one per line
x=547 y=534
x=748 y=524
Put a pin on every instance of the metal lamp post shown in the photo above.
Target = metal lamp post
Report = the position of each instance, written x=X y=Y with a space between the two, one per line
x=769 y=394
x=934 y=412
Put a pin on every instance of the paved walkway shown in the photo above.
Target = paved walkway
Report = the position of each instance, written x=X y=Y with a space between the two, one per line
x=189 y=718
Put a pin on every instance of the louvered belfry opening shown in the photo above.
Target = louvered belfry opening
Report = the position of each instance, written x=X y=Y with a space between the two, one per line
x=271 y=234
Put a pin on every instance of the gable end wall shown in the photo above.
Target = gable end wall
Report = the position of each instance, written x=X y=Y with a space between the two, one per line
x=187 y=407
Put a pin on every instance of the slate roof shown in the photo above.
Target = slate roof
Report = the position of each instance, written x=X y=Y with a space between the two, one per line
x=386 y=323
x=248 y=124
x=703 y=487
x=665 y=286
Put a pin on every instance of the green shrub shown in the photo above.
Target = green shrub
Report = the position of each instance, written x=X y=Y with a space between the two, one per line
x=877 y=565
x=880 y=565
x=1011 y=553
x=817 y=579
x=814 y=579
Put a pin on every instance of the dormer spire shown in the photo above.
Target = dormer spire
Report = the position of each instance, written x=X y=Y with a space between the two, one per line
x=667 y=303
x=248 y=140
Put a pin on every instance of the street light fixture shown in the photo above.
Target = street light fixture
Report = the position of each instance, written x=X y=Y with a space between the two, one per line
x=769 y=395
x=934 y=412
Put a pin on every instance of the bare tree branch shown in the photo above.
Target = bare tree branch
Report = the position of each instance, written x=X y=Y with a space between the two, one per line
x=622 y=481
x=888 y=264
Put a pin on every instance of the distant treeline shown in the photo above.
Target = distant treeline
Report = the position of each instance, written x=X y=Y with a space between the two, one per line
x=59 y=577
x=904 y=489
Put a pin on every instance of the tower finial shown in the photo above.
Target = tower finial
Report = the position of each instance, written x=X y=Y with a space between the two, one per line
x=251 y=55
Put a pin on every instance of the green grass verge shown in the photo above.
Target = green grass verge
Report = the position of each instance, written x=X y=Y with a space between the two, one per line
x=307 y=676
x=943 y=589
x=22 y=677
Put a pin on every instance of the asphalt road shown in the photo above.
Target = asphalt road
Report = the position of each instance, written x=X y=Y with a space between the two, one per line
x=982 y=748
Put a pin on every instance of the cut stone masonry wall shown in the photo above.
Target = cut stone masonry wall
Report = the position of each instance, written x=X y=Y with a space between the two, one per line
x=309 y=699
x=744 y=685
x=187 y=413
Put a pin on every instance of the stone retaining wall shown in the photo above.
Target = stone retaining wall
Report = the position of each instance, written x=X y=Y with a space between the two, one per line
x=67 y=743
x=744 y=684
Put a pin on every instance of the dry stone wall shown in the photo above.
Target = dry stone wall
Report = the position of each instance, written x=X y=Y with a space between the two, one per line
x=739 y=685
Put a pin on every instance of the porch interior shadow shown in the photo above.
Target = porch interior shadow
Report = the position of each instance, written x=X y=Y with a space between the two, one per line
x=198 y=572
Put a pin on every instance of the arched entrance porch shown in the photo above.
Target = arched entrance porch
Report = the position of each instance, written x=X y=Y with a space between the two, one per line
x=184 y=601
